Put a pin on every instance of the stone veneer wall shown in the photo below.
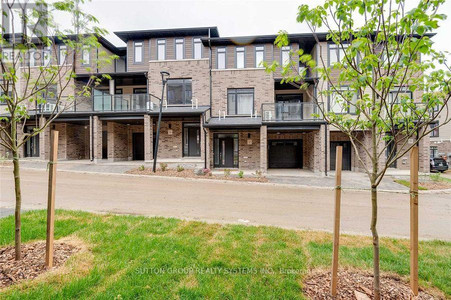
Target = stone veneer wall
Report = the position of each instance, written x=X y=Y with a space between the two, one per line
x=117 y=141
x=170 y=145
x=249 y=150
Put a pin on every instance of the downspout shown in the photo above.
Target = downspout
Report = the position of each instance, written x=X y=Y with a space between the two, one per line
x=205 y=147
x=210 y=66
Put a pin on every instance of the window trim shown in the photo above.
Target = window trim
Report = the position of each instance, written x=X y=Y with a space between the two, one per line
x=328 y=52
x=49 y=50
x=201 y=47
x=329 y=102
x=134 y=52
x=225 y=57
x=435 y=128
x=84 y=63
x=244 y=57
x=186 y=102
x=236 y=102
x=183 y=48
x=59 y=53
x=255 y=55
x=165 y=49
x=281 y=54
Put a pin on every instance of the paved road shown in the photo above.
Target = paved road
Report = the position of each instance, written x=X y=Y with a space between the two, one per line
x=285 y=206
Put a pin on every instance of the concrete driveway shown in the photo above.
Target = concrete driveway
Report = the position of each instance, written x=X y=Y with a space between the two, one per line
x=286 y=206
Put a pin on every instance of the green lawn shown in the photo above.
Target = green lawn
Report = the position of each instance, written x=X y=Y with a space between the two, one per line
x=406 y=183
x=127 y=251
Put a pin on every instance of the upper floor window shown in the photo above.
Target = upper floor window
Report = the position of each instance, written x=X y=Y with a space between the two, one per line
x=62 y=55
x=47 y=56
x=285 y=55
x=397 y=94
x=259 y=56
x=179 y=91
x=179 y=49
x=434 y=151
x=197 y=54
x=138 y=52
x=240 y=57
x=85 y=56
x=341 y=102
x=32 y=57
x=435 y=130
x=337 y=53
x=240 y=101
x=221 y=63
x=161 y=49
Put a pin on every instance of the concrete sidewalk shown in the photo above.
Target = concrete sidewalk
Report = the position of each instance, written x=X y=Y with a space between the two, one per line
x=350 y=180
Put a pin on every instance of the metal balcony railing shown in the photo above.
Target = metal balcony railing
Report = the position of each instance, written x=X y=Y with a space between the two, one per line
x=286 y=112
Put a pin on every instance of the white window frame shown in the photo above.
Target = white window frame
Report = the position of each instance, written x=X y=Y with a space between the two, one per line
x=332 y=103
x=240 y=64
x=62 y=54
x=197 y=41
x=136 y=45
x=259 y=49
x=86 y=56
x=178 y=42
x=285 y=50
x=47 y=56
x=161 y=55
x=222 y=51
x=339 y=51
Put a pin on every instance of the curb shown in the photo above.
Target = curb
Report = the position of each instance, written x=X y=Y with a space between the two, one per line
x=445 y=191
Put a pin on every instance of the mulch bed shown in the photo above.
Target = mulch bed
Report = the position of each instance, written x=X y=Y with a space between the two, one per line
x=358 y=285
x=435 y=185
x=190 y=174
x=32 y=263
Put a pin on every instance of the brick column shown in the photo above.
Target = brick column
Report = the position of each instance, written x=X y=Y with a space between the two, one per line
x=202 y=140
x=424 y=154
x=319 y=150
x=209 y=150
x=263 y=148
x=96 y=138
x=44 y=140
x=148 y=138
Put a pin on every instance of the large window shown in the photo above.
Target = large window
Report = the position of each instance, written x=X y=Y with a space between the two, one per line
x=197 y=54
x=398 y=93
x=138 y=52
x=285 y=55
x=341 y=101
x=259 y=56
x=161 y=49
x=62 y=54
x=179 y=49
x=435 y=130
x=240 y=101
x=85 y=56
x=221 y=63
x=47 y=56
x=336 y=53
x=179 y=91
x=240 y=57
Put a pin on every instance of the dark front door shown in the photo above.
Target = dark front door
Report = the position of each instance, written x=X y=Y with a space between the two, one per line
x=104 y=144
x=346 y=164
x=191 y=140
x=138 y=146
x=226 y=151
x=285 y=154
x=32 y=146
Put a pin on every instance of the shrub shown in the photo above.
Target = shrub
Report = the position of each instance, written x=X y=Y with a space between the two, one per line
x=240 y=174
x=180 y=168
x=206 y=171
x=227 y=172
x=163 y=166
x=259 y=173
x=141 y=168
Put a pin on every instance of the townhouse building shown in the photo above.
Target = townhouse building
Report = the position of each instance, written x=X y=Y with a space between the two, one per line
x=220 y=108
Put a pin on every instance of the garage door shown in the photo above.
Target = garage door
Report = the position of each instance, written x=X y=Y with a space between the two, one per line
x=285 y=154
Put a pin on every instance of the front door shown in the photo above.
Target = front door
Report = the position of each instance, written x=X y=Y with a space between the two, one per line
x=32 y=146
x=346 y=164
x=191 y=140
x=104 y=144
x=226 y=151
x=138 y=146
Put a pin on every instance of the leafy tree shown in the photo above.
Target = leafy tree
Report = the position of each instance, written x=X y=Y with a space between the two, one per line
x=29 y=72
x=388 y=81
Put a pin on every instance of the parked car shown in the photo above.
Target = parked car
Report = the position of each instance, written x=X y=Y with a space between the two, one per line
x=438 y=164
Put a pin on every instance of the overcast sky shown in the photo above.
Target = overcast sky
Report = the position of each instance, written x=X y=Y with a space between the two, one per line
x=232 y=17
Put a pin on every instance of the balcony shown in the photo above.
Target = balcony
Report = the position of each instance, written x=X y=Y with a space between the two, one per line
x=290 y=112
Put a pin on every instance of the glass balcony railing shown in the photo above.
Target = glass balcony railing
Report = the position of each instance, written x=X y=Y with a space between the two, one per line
x=290 y=112
x=125 y=102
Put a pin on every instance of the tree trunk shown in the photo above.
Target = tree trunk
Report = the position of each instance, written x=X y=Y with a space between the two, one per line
x=376 y=271
x=16 y=171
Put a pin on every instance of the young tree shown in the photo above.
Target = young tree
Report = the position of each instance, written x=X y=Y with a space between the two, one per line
x=33 y=80
x=388 y=81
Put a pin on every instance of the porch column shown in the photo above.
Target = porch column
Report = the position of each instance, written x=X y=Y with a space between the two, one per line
x=44 y=140
x=96 y=138
x=263 y=148
x=148 y=138
x=319 y=150
x=202 y=140
x=424 y=154
x=209 y=150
